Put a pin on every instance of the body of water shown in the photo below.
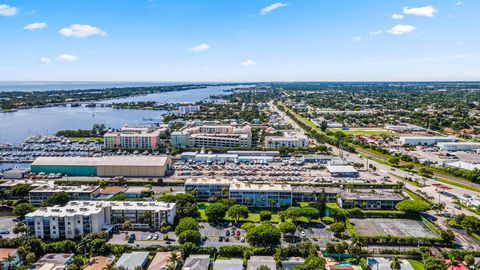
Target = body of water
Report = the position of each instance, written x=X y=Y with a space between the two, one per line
x=46 y=86
x=15 y=127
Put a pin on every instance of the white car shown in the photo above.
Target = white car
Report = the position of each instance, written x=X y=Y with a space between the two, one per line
x=155 y=237
x=303 y=234
x=149 y=237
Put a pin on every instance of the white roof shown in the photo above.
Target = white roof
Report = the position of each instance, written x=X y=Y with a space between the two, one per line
x=103 y=161
x=341 y=169
x=208 y=181
x=242 y=186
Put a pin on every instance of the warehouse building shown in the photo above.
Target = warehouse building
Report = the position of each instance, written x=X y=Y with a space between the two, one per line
x=459 y=146
x=107 y=166
x=425 y=140
x=342 y=171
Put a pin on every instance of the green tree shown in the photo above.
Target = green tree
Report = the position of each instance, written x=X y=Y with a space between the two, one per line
x=186 y=224
x=60 y=198
x=394 y=161
x=355 y=247
x=127 y=225
x=216 y=212
x=412 y=206
x=20 y=190
x=293 y=213
x=19 y=228
x=395 y=263
x=264 y=235
x=310 y=213
x=263 y=267
x=287 y=227
x=337 y=227
x=237 y=212
x=432 y=263
x=191 y=236
x=469 y=260
x=265 y=215
x=23 y=209
x=313 y=262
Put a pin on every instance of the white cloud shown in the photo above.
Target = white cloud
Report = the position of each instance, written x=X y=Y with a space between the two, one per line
x=272 y=7
x=45 y=60
x=401 y=29
x=6 y=10
x=427 y=11
x=200 y=47
x=459 y=3
x=82 y=31
x=357 y=38
x=378 y=32
x=248 y=62
x=397 y=16
x=35 y=26
x=67 y=58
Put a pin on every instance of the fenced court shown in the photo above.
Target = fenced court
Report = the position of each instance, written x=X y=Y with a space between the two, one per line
x=391 y=226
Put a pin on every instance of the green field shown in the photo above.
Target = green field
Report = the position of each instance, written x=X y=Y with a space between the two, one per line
x=361 y=131
x=416 y=264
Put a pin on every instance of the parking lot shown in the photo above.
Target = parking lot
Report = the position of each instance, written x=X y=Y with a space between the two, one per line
x=7 y=224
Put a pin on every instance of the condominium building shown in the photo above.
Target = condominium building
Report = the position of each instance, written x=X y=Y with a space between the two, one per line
x=204 y=188
x=425 y=140
x=39 y=194
x=185 y=109
x=288 y=140
x=135 y=137
x=312 y=194
x=212 y=136
x=261 y=195
x=381 y=199
x=78 y=218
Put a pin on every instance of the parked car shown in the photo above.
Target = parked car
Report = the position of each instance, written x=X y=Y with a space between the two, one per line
x=155 y=237
x=149 y=237
x=227 y=233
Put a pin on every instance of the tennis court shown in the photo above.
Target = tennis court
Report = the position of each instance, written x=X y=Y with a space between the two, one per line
x=393 y=227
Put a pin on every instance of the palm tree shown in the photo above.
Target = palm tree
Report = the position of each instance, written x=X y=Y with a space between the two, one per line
x=174 y=260
x=355 y=247
x=395 y=263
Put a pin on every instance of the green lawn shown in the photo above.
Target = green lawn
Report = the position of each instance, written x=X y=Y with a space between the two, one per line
x=361 y=131
x=416 y=264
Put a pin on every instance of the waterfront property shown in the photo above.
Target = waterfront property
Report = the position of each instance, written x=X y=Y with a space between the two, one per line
x=135 y=137
x=39 y=194
x=204 y=188
x=212 y=136
x=107 y=166
x=380 y=199
x=78 y=218
x=261 y=195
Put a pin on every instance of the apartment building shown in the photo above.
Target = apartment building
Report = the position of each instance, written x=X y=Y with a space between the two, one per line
x=312 y=194
x=382 y=199
x=39 y=194
x=288 y=140
x=213 y=136
x=78 y=218
x=135 y=137
x=204 y=188
x=261 y=195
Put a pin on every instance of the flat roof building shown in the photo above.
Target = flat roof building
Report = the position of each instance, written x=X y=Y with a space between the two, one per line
x=342 y=170
x=40 y=193
x=230 y=264
x=106 y=166
x=17 y=173
x=78 y=218
x=261 y=195
x=208 y=187
x=428 y=141
x=288 y=140
x=378 y=199
x=458 y=146
x=312 y=194
x=134 y=137
x=53 y=261
x=197 y=262
x=212 y=136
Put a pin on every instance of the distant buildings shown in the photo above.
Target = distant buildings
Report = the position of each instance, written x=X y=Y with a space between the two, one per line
x=231 y=156
x=17 y=173
x=288 y=140
x=106 y=166
x=458 y=146
x=141 y=137
x=212 y=136
x=403 y=128
x=370 y=200
x=78 y=218
x=428 y=141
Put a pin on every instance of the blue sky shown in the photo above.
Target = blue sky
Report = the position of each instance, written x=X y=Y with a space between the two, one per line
x=239 y=40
